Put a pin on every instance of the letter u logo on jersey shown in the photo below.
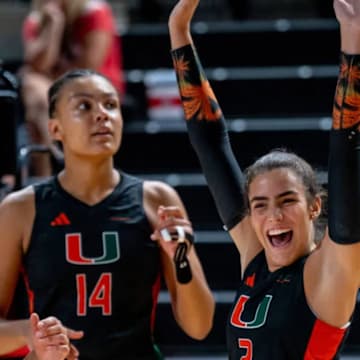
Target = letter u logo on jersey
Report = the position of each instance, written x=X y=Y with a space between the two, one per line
x=260 y=314
x=74 y=250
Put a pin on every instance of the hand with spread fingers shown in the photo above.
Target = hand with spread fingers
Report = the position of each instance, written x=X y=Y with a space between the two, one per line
x=51 y=340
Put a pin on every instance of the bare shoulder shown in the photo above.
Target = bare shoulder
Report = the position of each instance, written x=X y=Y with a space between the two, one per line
x=18 y=209
x=19 y=200
x=17 y=212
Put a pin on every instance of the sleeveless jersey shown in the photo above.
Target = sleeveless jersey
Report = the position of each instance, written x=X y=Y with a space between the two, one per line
x=96 y=269
x=270 y=319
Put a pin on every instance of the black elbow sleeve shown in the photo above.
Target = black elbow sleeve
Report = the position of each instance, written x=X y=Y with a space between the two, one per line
x=344 y=187
x=344 y=158
x=222 y=172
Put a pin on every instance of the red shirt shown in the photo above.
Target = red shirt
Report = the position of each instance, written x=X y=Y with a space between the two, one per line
x=98 y=18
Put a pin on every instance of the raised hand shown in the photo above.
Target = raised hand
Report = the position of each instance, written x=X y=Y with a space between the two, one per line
x=348 y=12
x=183 y=11
x=179 y=22
x=348 y=15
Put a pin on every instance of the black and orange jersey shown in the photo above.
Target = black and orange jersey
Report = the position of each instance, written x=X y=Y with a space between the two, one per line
x=96 y=269
x=271 y=319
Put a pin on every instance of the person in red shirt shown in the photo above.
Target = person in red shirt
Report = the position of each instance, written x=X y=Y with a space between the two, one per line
x=60 y=35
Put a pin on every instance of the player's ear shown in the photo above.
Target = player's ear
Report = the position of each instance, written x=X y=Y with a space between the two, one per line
x=54 y=128
x=315 y=208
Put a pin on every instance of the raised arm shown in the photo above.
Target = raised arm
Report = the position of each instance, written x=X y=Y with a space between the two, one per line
x=344 y=162
x=208 y=132
x=339 y=254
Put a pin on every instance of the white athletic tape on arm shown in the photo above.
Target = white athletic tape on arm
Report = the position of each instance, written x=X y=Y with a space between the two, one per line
x=181 y=233
x=165 y=234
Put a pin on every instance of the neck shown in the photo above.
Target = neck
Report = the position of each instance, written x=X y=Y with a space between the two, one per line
x=89 y=182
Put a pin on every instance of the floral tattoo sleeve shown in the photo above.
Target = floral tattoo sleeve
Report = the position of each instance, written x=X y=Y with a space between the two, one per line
x=199 y=101
x=346 y=111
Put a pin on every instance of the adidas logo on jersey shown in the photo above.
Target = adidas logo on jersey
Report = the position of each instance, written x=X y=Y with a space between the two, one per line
x=60 y=220
x=250 y=280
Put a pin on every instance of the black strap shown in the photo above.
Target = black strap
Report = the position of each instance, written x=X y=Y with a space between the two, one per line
x=182 y=265
x=185 y=241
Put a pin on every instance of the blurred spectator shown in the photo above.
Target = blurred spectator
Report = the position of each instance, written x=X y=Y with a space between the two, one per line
x=60 y=35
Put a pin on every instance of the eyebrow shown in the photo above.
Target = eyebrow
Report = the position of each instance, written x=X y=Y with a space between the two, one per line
x=88 y=95
x=262 y=198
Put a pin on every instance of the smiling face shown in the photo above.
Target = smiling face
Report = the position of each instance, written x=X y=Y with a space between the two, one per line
x=87 y=118
x=282 y=216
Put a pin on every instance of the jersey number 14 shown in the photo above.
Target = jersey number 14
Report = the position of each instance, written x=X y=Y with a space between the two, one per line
x=100 y=296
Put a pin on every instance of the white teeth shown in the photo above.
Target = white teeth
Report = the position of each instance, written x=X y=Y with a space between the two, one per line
x=277 y=232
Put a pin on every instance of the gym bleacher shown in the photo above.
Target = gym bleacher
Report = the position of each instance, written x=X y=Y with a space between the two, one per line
x=274 y=73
